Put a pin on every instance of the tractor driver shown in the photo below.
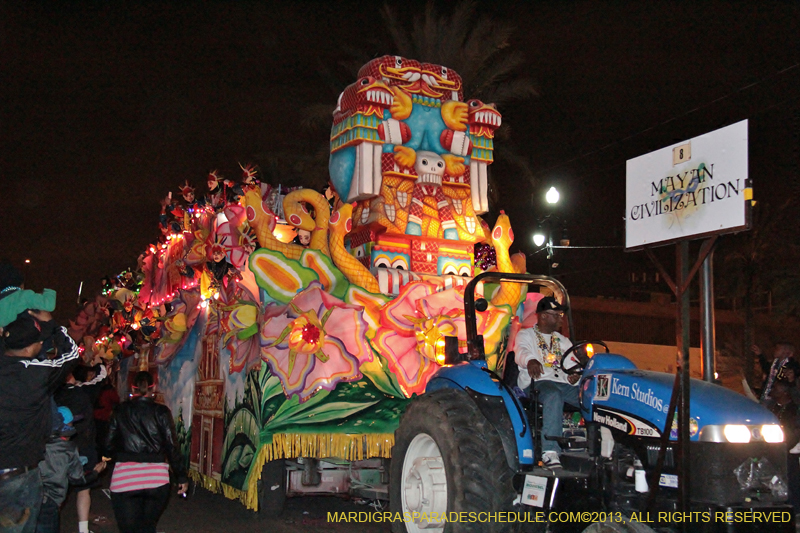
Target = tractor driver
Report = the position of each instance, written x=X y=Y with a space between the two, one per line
x=538 y=355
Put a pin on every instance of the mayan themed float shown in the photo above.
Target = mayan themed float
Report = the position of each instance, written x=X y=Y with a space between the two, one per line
x=267 y=349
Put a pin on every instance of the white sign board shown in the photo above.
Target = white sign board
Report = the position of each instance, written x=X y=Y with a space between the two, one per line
x=533 y=493
x=690 y=189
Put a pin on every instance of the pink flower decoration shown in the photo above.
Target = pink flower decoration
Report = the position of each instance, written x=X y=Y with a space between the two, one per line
x=314 y=342
x=396 y=338
x=411 y=323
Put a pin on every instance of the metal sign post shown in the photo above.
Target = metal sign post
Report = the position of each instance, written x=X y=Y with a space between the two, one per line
x=708 y=339
x=692 y=190
x=681 y=394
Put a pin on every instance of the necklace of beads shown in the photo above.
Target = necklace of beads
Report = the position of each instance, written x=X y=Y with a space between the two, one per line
x=550 y=354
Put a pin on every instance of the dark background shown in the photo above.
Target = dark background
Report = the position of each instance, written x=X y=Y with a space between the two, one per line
x=108 y=106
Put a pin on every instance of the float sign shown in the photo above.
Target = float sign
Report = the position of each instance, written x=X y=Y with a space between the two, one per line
x=689 y=190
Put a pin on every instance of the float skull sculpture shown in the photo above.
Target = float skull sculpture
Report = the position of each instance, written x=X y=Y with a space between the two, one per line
x=413 y=156
x=429 y=168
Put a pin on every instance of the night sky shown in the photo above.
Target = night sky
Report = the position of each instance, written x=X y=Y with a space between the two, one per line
x=108 y=106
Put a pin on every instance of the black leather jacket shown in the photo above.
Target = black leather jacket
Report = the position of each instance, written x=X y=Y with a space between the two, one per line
x=142 y=431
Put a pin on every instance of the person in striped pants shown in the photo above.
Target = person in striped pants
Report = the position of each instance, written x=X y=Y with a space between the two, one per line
x=141 y=439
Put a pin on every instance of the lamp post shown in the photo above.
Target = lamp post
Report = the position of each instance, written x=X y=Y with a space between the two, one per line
x=545 y=228
x=543 y=237
x=26 y=274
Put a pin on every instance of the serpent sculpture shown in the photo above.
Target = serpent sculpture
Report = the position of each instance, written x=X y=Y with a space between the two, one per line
x=340 y=225
x=262 y=221
x=297 y=215
x=502 y=237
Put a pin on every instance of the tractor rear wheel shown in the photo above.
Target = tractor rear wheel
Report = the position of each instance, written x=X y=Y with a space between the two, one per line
x=448 y=458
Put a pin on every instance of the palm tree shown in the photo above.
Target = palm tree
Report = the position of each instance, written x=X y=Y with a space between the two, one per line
x=478 y=48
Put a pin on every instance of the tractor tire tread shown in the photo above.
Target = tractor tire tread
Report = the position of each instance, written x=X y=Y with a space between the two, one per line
x=474 y=459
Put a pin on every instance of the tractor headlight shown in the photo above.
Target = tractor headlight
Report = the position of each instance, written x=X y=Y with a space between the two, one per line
x=772 y=433
x=740 y=433
x=447 y=350
x=439 y=350
x=736 y=433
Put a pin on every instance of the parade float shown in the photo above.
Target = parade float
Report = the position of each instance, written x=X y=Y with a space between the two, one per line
x=268 y=351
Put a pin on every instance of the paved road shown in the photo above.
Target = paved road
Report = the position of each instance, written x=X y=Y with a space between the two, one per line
x=206 y=512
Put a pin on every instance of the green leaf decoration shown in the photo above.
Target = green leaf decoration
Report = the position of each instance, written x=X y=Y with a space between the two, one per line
x=378 y=372
x=489 y=290
x=371 y=303
x=292 y=407
x=491 y=355
x=270 y=384
x=522 y=295
x=359 y=296
x=246 y=457
x=252 y=394
x=331 y=277
x=233 y=461
x=326 y=412
x=248 y=332
x=354 y=407
x=272 y=396
x=280 y=277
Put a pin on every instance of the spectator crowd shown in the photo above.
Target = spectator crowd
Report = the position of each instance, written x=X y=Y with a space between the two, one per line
x=61 y=425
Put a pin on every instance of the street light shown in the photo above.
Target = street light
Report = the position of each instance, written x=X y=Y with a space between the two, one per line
x=546 y=226
x=540 y=237
x=552 y=196
x=26 y=273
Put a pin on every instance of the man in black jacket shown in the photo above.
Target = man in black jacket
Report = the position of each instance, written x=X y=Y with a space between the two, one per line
x=27 y=382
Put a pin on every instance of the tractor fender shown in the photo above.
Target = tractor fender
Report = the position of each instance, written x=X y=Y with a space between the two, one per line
x=497 y=404
x=496 y=412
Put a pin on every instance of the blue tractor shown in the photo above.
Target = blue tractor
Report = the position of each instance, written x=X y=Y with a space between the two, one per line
x=467 y=448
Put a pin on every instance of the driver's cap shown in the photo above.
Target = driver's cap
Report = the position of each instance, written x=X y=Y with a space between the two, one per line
x=548 y=303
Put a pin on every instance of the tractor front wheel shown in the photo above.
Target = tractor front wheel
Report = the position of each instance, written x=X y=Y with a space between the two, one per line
x=448 y=459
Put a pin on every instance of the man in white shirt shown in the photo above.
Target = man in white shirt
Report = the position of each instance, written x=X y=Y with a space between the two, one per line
x=538 y=354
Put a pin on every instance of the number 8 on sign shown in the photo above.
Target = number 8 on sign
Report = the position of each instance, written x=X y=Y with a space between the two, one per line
x=681 y=153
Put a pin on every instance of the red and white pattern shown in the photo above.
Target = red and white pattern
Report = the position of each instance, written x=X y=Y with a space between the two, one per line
x=139 y=476
x=417 y=201
x=424 y=257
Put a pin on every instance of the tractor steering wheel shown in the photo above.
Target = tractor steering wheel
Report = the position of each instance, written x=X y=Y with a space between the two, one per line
x=575 y=359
